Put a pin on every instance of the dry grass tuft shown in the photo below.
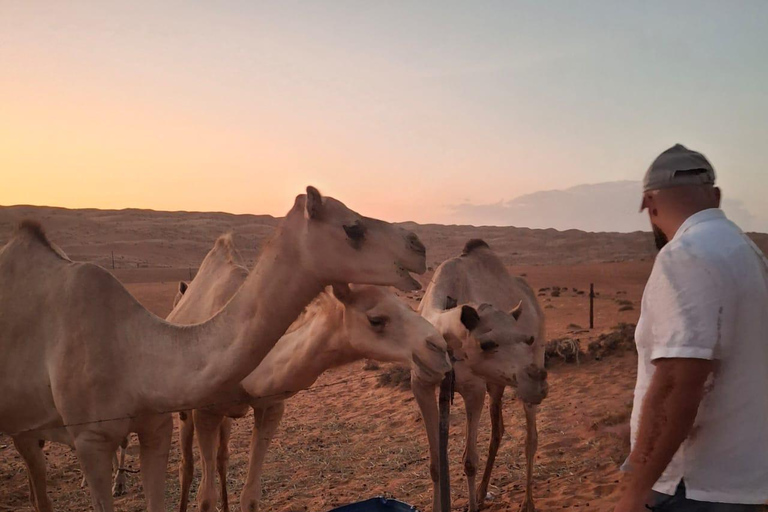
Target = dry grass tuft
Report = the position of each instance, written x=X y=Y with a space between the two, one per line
x=395 y=376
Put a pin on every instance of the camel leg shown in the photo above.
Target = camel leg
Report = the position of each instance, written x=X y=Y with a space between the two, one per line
x=207 y=425
x=497 y=433
x=531 y=445
x=154 y=447
x=94 y=451
x=222 y=460
x=121 y=479
x=473 y=404
x=425 y=398
x=187 y=466
x=32 y=453
x=265 y=423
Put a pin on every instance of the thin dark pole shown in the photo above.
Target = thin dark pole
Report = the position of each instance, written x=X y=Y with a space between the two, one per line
x=591 y=306
x=113 y=260
x=190 y=273
x=444 y=404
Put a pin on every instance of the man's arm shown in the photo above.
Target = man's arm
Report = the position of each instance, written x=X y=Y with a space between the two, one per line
x=666 y=419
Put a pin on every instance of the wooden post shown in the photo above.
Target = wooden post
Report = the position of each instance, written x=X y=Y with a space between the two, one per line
x=113 y=260
x=591 y=306
x=444 y=404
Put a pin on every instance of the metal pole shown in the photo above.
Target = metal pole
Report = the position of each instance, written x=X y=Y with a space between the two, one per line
x=444 y=404
x=591 y=306
x=113 y=260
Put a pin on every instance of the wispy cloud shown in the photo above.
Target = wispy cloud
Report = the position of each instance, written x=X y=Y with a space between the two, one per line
x=611 y=206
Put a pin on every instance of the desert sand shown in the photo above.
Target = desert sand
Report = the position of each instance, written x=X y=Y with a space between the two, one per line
x=348 y=438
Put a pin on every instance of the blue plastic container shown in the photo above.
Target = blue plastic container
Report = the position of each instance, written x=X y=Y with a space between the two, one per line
x=376 y=505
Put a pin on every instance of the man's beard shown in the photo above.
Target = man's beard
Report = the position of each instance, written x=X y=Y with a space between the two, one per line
x=659 y=237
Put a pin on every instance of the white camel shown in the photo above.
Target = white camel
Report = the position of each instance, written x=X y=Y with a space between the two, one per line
x=494 y=328
x=85 y=363
x=339 y=327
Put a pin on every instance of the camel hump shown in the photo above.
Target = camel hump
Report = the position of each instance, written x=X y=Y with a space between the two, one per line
x=474 y=244
x=33 y=230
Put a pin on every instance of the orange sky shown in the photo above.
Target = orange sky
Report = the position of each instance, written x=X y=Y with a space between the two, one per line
x=401 y=111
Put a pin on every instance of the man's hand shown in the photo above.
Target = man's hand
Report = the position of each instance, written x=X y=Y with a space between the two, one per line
x=667 y=416
x=631 y=503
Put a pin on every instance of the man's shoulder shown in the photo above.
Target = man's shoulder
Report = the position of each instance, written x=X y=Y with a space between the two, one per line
x=711 y=242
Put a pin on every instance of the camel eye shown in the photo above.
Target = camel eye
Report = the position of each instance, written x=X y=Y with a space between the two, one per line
x=487 y=346
x=355 y=232
x=377 y=322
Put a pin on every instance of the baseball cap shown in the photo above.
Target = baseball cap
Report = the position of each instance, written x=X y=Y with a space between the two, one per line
x=676 y=167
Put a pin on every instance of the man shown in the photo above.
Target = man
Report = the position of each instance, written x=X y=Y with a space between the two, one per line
x=700 y=416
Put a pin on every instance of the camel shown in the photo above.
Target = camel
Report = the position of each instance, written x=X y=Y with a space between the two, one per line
x=342 y=325
x=494 y=328
x=86 y=364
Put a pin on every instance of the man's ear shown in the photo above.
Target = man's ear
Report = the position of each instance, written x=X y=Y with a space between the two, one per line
x=469 y=317
x=314 y=204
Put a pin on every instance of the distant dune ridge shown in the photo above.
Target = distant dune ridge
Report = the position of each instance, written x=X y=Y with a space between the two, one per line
x=608 y=207
x=147 y=238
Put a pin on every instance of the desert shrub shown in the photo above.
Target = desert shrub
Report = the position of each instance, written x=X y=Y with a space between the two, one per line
x=621 y=339
x=566 y=349
x=628 y=307
x=370 y=365
x=624 y=302
x=395 y=376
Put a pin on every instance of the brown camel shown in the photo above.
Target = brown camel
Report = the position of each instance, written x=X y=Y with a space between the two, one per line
x=339 y=327
x=86 y=364
x=494 y=327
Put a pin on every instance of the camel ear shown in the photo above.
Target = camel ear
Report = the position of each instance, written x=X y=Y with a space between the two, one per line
x=450 y=302
x=517 y=310
x=183 y=287
x=342 y=293
x=469 y=317
x=314 y=204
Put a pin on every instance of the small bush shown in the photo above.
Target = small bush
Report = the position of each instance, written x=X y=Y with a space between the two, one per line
x=567 y=349
x=395 y=376
x=627 y=308
x=370 y=365
x=621 y=339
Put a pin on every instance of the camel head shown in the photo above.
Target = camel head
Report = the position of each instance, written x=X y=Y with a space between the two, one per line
x=380 y=326
x=499 y=350
x=341 y=246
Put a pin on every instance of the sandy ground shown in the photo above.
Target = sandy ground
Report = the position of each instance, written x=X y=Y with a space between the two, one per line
x=350 y=441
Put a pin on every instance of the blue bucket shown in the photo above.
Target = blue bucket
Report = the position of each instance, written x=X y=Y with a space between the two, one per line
x=376 y=505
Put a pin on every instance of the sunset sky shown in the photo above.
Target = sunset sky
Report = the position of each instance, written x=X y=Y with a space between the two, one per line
x=401 y=109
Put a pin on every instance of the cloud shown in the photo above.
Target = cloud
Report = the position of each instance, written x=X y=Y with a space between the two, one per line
x=611 y=206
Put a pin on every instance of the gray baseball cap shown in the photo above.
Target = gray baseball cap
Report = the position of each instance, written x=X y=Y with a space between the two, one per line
x=676 y=167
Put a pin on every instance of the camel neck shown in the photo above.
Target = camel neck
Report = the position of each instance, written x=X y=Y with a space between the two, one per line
x=302 y=355
x=221 y=352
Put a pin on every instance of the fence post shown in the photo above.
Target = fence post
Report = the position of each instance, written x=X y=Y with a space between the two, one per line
x=591 y=305
x=444 y=407
x=113 y=260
